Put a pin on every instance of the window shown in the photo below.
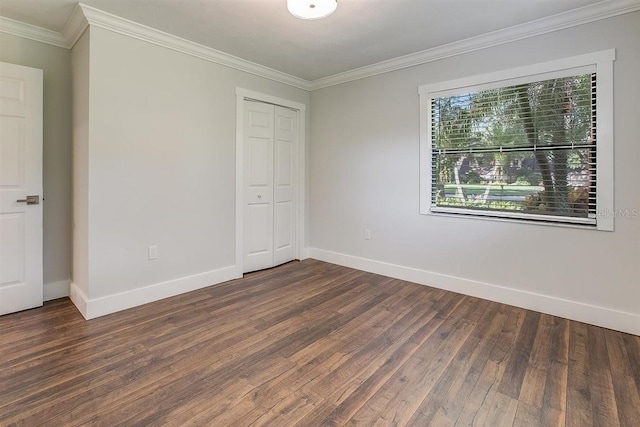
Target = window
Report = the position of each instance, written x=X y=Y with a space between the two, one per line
x=533 y=143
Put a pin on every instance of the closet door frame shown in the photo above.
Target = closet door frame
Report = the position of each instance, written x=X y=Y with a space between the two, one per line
x=300 y=220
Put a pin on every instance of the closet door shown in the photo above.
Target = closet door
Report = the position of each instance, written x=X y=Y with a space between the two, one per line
x=258 y=186
x=270 y=152
x=286 y=132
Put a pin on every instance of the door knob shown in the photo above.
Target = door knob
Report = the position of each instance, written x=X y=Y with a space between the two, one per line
x=30 y=200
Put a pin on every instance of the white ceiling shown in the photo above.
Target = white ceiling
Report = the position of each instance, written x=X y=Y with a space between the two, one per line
x=359 y=33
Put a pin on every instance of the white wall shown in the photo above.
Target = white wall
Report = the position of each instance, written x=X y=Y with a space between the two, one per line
x=161 y=167
x=54 y=61
x=364 y=174
x=80 y=115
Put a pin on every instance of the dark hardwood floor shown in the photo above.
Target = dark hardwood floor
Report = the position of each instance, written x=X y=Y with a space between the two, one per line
x=315 y=344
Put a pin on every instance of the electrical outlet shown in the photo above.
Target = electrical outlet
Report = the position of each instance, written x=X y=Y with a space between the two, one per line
x=367 y=234
x=153 y=252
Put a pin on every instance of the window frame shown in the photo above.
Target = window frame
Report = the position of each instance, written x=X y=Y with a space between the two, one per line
x=599 y=62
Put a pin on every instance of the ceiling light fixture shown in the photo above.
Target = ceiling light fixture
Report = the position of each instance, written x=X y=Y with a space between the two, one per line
x=311 y=9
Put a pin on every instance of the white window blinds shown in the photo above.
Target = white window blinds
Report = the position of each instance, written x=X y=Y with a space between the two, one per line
x=526 y=150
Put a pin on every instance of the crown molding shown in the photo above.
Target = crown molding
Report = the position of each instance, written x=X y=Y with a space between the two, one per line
x=27 y=31
x=75 y=26
x=572 y=18
x=98 y=18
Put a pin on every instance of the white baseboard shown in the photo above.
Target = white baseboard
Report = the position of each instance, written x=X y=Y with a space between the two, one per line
x=96 y=307
x=79 y=299
x=574 y=310
x=55 y=290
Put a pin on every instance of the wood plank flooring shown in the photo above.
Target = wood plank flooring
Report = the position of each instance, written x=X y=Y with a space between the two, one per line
x=315 y=344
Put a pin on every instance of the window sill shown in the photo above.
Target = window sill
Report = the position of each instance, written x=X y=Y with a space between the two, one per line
x=526 y=221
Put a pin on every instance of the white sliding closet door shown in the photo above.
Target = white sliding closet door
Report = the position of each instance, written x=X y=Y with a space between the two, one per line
x=270 y=142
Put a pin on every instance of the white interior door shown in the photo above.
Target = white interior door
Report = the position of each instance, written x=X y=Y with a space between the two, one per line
x=20 y=188
x=286 y=132
x=270 y=143
x=258 y=182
